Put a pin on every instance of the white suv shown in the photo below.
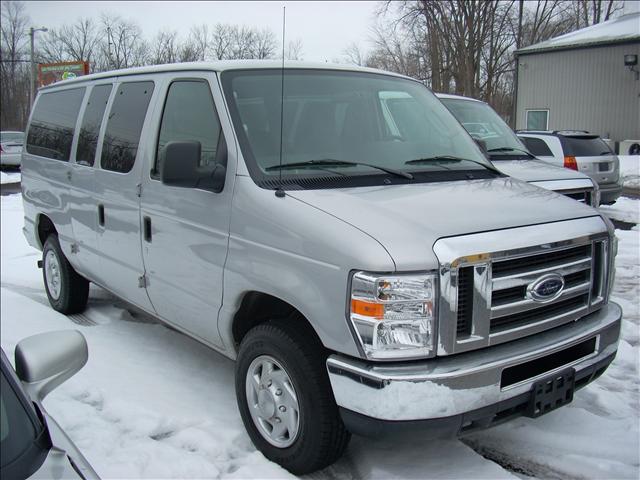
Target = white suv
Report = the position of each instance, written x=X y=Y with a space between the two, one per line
x=578 y=150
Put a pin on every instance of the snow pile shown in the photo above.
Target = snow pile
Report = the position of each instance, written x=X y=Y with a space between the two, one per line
x=11 y=177
x=630 y=170
x=625 y=209
x=152 y=403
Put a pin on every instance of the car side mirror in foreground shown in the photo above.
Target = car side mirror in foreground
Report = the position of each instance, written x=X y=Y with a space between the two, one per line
x=181 y=168
x=45 y=361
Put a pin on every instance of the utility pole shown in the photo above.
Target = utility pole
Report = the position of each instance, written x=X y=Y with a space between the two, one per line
x=109 y=48
x=32 y=81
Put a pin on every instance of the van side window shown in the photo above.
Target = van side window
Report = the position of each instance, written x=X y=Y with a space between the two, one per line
x=91 y=122
x=189 y=115
x=53 y=123
x=128 y=111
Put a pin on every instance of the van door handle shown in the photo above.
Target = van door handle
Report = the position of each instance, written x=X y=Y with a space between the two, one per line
x=69 y=175
x=146 y=221
x=101 y=215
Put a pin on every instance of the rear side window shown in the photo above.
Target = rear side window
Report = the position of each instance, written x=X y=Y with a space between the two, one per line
x=537 y=146
x=91 y=122
x=124 y=126
x=584 y=146
x=189 y=115
x=53 y=123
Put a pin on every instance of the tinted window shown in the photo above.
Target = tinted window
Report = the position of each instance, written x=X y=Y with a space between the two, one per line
x=53 y=123
x=585 y=146
x=190 y=115
x=91 y=121
x=17 y=432
x=343 y=116
x=481 y=121
x=538 y=147
x=126 y=118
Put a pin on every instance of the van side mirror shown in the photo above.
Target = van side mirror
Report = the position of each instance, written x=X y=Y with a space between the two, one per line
x=181 y=168
x=45 y=361
x=482 y=144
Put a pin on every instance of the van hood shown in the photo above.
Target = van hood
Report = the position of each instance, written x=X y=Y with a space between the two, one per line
x=533 y=170
x=408 y=219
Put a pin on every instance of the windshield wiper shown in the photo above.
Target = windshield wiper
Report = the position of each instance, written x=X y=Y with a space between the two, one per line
x=511 y=149
x=337 y=163
x=450 y=158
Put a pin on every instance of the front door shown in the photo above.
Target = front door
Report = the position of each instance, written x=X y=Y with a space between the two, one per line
x=187 y=229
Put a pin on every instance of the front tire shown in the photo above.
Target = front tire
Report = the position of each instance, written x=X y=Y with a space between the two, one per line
x=67 y=291
x=285 y=397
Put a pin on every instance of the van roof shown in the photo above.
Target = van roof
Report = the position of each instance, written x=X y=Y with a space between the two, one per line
x=221 y=66
x=457 y=97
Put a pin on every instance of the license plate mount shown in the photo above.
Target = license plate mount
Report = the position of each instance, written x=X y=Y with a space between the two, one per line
x=551 y=392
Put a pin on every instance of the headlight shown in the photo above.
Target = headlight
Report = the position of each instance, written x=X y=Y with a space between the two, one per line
x=393 y=315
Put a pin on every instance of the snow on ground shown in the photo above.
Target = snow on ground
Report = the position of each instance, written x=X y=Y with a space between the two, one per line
x=625 y=209
x=152 y=403
x=630 y=170
x=9 y=177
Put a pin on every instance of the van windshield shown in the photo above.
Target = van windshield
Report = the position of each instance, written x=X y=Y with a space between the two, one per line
x=346 y=125
x=482 y=122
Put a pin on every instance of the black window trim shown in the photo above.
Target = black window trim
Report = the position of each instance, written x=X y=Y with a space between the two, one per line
x=103 y=125
x=154 y=174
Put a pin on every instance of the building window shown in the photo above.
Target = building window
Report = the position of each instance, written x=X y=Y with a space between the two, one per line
x=537 y=119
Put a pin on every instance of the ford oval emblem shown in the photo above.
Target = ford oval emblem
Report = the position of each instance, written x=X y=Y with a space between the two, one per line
x=546 y=288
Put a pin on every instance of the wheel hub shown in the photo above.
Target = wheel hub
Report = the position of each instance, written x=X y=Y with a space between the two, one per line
x=266 y=404
x=52 y=274
x=272 y=401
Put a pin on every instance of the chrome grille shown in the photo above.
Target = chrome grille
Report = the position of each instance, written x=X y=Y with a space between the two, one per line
x=510 y=306
x=583 y=196
x=490 y=298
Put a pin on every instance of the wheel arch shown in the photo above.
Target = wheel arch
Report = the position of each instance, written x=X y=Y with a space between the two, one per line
x=44 y=228
x=258 y=307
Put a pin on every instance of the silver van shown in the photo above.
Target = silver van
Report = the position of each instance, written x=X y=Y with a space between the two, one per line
x=512 y=157
x=365 y=278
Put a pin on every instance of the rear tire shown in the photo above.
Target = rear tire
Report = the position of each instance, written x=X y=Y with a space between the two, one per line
x=320 y=437
x=67 y=290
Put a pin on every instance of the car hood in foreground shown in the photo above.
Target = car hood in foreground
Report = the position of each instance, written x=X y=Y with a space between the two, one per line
x=408 y=219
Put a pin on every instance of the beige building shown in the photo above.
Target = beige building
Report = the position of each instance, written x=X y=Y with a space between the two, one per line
x=583 y=80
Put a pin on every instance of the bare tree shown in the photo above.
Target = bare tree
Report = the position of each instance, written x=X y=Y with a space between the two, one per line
x=77 y=41
x=123 y=45
x=294 y=50
x=265 y=45
x=353 y=54
x=14 y=66
x=164 y=48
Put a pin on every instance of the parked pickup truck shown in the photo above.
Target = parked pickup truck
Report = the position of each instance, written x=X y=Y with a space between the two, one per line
x=368 y=269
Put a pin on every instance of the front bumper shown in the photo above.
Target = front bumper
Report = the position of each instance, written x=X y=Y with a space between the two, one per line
x=452 y=386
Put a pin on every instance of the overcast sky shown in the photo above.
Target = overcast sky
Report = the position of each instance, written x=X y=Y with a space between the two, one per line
x=325 y=28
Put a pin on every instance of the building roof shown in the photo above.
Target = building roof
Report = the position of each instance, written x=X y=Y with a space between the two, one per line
x=625 y=28
x=221 y=66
